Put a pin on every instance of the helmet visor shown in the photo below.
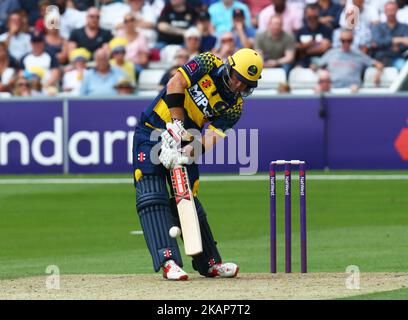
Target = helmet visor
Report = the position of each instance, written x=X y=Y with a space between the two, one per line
x=249 y=83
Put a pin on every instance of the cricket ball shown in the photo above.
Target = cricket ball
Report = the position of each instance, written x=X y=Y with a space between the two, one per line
x=174 y=232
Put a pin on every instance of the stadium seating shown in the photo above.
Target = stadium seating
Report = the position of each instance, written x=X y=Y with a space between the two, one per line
x=271 y=78
x=168 y=54
x=301 y=92
x=388 y=76
x=149 y=79
x=340 y=90
x=302 y=78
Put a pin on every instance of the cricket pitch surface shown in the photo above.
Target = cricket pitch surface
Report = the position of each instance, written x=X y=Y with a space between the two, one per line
x=246 y=286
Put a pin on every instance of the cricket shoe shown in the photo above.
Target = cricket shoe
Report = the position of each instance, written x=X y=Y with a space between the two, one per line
x=224 y=270
x=172 y=271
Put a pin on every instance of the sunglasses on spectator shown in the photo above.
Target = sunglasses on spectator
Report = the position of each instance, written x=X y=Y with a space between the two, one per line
x=346 y=40
x=227 y=40
x=312 y=17
x=130 y=20
x=324 y=81
x=23 y=84
x=93 y=16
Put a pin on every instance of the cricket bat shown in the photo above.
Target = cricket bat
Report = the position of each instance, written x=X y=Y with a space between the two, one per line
x=190 y=226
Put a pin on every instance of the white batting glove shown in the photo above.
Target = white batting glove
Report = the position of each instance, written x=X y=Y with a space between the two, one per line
x=171 y=157
x=174 y=134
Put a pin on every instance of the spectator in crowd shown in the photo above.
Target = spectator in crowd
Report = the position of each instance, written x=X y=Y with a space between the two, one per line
x=71 y=82
x=390 y=39
x=277 y=46
x=112 y=13
x=244 y=36
x=36 y=77
x=118 y=53
x=208 y=40
x=291 y=16
x=157 y=7
x=31 y=7
x=40 y=23
x=7 y=72
x=144 y=13
x=181 y=58
x=323 y=82
x=176 y=17
x=42 y=59
x=22 y=87
x=102 y=79
x=313 y=39
x=192 y=41
x=6 y=8
x=137 y=46
x=255 y=7
x=227 y=46
x=377 y=5
x=347 y=66
x=330 y=13
x=361 y=36
x=71 y=18
x=25 y=25
x=301 y=4
x=92 y=36
x=125 y=87
x=17 y=41
x=362 y=15
x=146 y=18
x=56 y=45
x=221 y=15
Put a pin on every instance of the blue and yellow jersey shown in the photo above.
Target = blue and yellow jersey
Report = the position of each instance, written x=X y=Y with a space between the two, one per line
x=205 y=99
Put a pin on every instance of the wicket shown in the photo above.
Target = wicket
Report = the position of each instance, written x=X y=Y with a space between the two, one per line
x=288 y=213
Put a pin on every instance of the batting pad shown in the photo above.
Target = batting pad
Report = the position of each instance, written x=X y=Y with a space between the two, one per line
x=153 y=207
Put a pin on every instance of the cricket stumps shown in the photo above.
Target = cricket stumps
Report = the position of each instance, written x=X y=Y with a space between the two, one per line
x=288 y=213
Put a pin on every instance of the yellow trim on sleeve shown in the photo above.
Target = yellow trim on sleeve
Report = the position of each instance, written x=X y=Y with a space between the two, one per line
x=163 y=111
x=185 y=76
x=217 y=131
x=138 y=174
x=195 y=188
x=147 y=124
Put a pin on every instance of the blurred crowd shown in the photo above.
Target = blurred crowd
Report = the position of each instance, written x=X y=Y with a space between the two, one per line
x=91 y=47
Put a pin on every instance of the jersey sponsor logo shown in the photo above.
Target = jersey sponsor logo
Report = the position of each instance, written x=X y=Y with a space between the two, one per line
x=198 y=96
x=206 y=83
x=192 y=67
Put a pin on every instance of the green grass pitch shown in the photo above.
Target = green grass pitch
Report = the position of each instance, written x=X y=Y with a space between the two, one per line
x=86 y=228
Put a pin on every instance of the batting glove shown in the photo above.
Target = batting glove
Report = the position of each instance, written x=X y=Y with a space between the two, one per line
x=171 y=157
x=174 y=134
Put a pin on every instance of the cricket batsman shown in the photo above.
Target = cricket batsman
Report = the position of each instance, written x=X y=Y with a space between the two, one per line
x=203 y=91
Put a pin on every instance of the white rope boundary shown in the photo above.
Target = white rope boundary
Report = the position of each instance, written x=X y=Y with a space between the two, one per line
x=317 y=177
